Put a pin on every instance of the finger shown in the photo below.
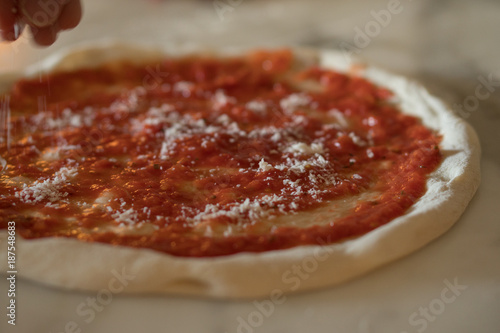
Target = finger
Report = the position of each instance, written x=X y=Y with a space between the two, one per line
x=45 y=36
x=12 y=33
x=71 y=15
x=9 y=30
x=41 y=13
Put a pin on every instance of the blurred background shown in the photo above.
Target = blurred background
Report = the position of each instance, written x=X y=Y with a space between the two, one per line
x=450 y=46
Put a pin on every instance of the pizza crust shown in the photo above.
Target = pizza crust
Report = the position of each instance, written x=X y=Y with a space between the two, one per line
x=72 y=264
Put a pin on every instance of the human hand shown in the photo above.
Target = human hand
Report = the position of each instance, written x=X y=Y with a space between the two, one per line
x=45 y=18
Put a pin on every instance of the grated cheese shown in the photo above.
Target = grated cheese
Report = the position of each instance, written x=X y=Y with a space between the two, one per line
x=52 y=153
x=221 y=99
x=127 y=217
x=357 y=140
x=184 y=87
x=339 y=118
x=47 y=189
x=303 y=148
x=256 y=106
x=292 y=102
x=238 y=211
x=264 y=166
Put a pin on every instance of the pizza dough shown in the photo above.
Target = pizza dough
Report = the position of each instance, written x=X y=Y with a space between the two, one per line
x=71 y=264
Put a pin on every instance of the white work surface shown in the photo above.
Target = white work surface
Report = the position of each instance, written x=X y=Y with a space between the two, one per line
x=449 y=46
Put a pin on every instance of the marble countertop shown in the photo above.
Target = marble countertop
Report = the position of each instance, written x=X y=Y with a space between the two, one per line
x=451 y=47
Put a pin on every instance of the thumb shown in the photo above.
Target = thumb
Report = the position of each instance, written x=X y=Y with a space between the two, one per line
x=41 y=13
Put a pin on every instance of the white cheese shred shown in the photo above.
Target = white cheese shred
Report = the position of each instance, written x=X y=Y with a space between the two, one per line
x=292 y=102
x=48 y=189
x=127 y=217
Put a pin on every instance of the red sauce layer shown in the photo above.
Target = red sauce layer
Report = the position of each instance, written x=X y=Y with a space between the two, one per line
x=200 y=156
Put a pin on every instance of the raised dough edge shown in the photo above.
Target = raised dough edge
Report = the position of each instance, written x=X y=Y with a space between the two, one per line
x=73 y=264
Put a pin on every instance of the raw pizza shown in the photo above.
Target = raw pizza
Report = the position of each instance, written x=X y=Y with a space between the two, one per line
x=223 y=175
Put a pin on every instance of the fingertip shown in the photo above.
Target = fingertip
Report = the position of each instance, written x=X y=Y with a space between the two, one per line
x=13 y=33
x=44 y=36
x=71 y=15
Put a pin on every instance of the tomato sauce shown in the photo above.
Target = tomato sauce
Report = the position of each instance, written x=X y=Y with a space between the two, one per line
x=199 y=156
